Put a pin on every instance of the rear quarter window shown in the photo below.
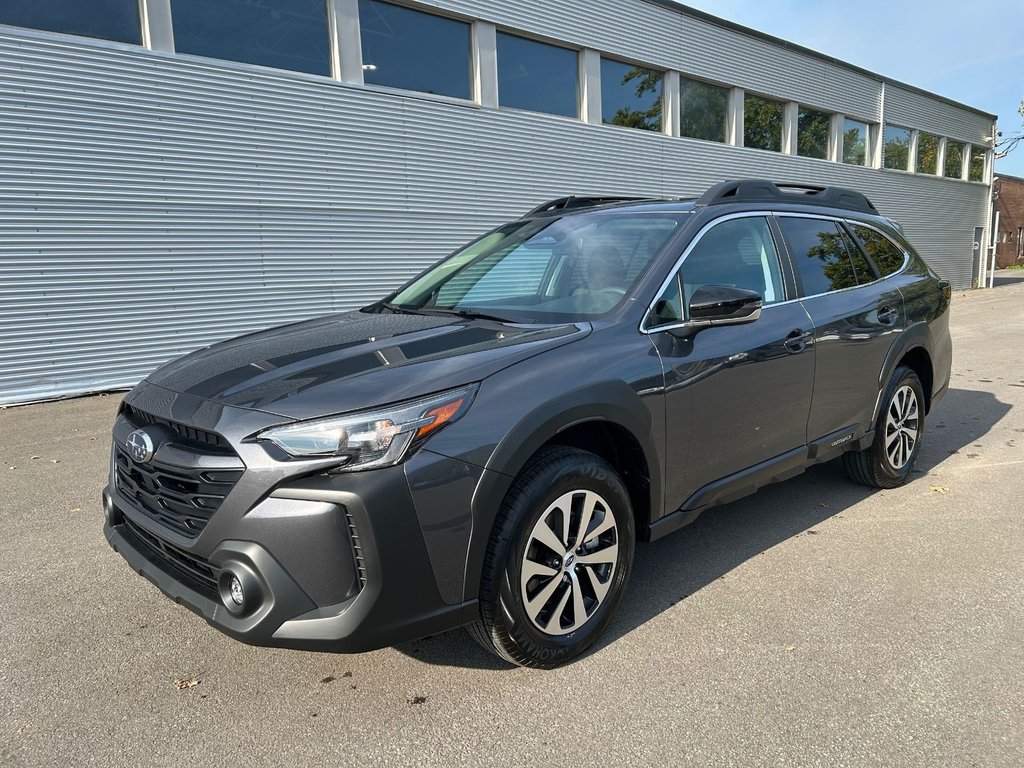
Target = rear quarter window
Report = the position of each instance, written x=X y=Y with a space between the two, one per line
x=888 y=257
x=819 y=255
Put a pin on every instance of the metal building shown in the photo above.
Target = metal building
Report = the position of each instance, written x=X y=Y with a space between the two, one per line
x=175 y=172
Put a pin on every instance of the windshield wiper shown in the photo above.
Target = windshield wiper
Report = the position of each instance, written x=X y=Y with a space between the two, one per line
x=395 y=309
x=469 y=314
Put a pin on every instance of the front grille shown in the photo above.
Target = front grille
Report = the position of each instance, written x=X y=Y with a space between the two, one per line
x=184 y=492
x=202 y=575
x=142 y=419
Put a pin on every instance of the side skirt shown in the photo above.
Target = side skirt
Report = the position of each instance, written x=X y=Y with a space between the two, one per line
x=743 y=483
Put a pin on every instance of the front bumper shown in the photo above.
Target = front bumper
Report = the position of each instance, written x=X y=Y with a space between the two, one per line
x=397 y=602
x=349 y=562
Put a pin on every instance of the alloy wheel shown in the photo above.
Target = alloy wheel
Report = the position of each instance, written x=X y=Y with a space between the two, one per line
x=569 y=562
x=901 y=425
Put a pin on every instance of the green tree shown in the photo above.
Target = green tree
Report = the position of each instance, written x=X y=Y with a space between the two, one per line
x=812 y=134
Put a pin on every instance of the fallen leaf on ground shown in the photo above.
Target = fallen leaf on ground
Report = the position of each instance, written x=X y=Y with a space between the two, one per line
x=790 y=648
x=185 y=682
x=940 y=489
x=77 y=509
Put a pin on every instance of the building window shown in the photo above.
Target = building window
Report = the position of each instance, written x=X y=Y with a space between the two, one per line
x=976 y=170
x=417 y=51
x=116 y=20
x=762 y=123
x=812 y=133
x=284 y=34
x=855 y=142
x=927 y=153
x=954 y=160
x=703 y=110
x=896 y=148
x=537 y=76
x=631 y=96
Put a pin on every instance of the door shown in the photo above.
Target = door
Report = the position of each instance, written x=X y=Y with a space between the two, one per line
x=736 y=395
x=856 y=318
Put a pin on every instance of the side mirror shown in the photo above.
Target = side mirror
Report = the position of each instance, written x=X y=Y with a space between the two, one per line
x=716 y=305
x=724 y=305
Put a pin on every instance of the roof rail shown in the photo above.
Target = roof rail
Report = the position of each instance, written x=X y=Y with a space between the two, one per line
x=762 y=190
x=572 y=201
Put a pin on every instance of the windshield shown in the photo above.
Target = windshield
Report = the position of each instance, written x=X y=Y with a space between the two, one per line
x=568 y=269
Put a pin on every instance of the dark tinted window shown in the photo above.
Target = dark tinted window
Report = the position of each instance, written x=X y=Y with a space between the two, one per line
x=762 y=123
x=927 y=153
x=887 y=257
x=812 y=133
x=703 y=110
x=819 y=255
x=116 y=20
x=536 y=76
x=405 y=48
x=285 y=34
x=861 y=267
x=631 y=96
x=896 y=148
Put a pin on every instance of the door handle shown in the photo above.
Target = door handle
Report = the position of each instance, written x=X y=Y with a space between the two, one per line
x=797 y=340
x=888 y=315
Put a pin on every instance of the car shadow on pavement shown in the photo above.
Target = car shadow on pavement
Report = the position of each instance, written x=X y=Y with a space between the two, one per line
x=670 y=570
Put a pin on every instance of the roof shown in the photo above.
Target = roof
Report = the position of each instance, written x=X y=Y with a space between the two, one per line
x=731 y=25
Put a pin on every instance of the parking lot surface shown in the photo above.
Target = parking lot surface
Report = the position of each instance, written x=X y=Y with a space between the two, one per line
x=815 y=623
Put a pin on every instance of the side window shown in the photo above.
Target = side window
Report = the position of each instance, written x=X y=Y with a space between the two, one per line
x=861 y=266
x=819 y=255
x=739 y=253
x=886 y=255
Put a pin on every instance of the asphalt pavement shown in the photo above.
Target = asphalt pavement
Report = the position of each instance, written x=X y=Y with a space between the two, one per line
x=817 y=623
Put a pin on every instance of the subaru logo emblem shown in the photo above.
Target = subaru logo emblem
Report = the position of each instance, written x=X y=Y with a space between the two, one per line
x=140 y=446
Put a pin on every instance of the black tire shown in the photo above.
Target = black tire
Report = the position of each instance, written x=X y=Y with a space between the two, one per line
x=505 y=626
x=873 y=466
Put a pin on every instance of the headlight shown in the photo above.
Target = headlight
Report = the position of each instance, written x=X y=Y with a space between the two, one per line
x=377 y=438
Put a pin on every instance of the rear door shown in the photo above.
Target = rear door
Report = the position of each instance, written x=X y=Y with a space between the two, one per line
x=856 y=317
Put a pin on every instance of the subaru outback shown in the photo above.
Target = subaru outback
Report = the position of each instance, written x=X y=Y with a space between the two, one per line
x=485 y=445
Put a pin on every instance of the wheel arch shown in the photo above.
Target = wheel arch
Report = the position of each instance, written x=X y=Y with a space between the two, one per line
x=912 y=348
x=593 y=418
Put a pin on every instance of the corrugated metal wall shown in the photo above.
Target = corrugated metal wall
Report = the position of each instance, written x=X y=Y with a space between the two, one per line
x=151 y=204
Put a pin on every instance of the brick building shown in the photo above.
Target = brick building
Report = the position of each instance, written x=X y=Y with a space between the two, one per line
x=1009 y=195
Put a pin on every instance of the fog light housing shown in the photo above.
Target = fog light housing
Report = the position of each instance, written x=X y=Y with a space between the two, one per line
x=236 y=591
x=239 y=589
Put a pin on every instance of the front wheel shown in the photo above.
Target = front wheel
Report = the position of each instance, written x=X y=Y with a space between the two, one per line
x=898 y=431
x=558 y=560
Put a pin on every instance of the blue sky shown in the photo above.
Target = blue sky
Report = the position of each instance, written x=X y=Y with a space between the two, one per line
x=973 y=53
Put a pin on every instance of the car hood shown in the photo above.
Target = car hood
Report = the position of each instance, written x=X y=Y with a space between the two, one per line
x=355 y=360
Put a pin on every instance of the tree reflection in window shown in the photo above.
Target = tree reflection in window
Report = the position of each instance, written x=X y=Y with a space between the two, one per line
x=819 y=254
x=631 y=96
x=812 y=133
x=762 y=123
x=703 y=110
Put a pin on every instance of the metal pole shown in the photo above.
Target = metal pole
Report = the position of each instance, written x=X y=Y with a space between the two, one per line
x=995 y=244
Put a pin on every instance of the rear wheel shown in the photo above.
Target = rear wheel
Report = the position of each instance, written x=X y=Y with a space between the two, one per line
x=898 y=431
x=558 y=561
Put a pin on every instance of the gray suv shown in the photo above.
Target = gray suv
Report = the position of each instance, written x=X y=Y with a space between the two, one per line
x=484 y=446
